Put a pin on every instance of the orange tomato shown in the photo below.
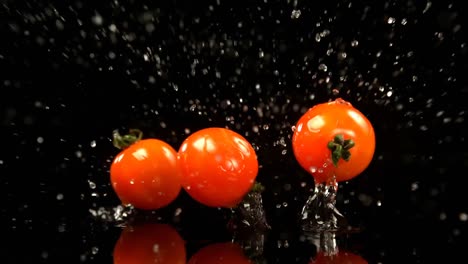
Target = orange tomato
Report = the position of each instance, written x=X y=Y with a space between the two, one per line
x=341 y=257
x=318 y=149
x=149 y=243
x=220 y=253
x=146 y=174
x=219 y=166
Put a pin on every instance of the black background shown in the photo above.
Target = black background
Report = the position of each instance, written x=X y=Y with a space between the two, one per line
x=73 y=71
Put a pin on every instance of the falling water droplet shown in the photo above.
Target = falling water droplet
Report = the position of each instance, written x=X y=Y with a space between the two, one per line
x=156 y=248
x=295 y=14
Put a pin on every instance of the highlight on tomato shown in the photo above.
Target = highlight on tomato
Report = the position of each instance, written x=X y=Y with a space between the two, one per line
x=219 y=166
x=220 y=253
x=145 y=173
x=342 y=257
x=334 y=139
x=149 y=244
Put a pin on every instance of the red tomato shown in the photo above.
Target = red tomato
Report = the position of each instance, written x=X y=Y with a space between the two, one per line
x=146 y=174
x=341 y=257
x=150 y=243
x=219 y=167
x=220 y=253
x=318 y=149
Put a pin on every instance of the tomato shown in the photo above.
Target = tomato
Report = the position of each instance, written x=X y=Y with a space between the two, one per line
x=342 y=257
x=218 y=165
x=146 y=174
x=220 y=253
x=334 y=138
x=149 y=243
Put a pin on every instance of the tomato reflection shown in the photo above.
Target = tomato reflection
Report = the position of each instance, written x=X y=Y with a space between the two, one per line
x=150 y=243
x=220 y=253
x=341 y=257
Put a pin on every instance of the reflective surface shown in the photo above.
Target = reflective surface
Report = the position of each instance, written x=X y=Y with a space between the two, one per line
x=149 y=243
x=74 y=71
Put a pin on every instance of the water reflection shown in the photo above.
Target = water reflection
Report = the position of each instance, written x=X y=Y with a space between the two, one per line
x=150 y=243
x=328 y=251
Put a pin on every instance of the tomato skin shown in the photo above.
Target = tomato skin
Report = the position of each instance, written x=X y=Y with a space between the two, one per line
x=342 y=257
x=220 y=253
x=318 y=126
x=149 y=243
x=218 y=165
x=146 y=174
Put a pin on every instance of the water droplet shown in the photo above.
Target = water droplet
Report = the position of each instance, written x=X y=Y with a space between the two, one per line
x=317 y=37
x=295 y=14
x=285 y=204
x=93 y=143
x=313 y=169
x=323 y=67
x=156 y=248
x=177 y=211
x=78 y=154
x=113 y=28
x=61 y=228
x=40 y=140
x=284 y=151
x=391 y=20
x=94 y=250
x=320 y=170
x=342 y=55
x=414 y=186
x=261 y=54
x=379 y=203
x=59 y=196
x=132 y=181
x=463 y=217
x=354 y=43
x=97 y=19
x=442 y=216
x=428 y=5
x=92 y=185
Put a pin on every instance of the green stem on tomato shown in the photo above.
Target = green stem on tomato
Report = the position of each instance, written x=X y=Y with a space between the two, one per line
x=122 y=142
x=258 y=187
x=339 y=148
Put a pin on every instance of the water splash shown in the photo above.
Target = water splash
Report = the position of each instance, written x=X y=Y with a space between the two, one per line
x=118 y=214
x=319 y=213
